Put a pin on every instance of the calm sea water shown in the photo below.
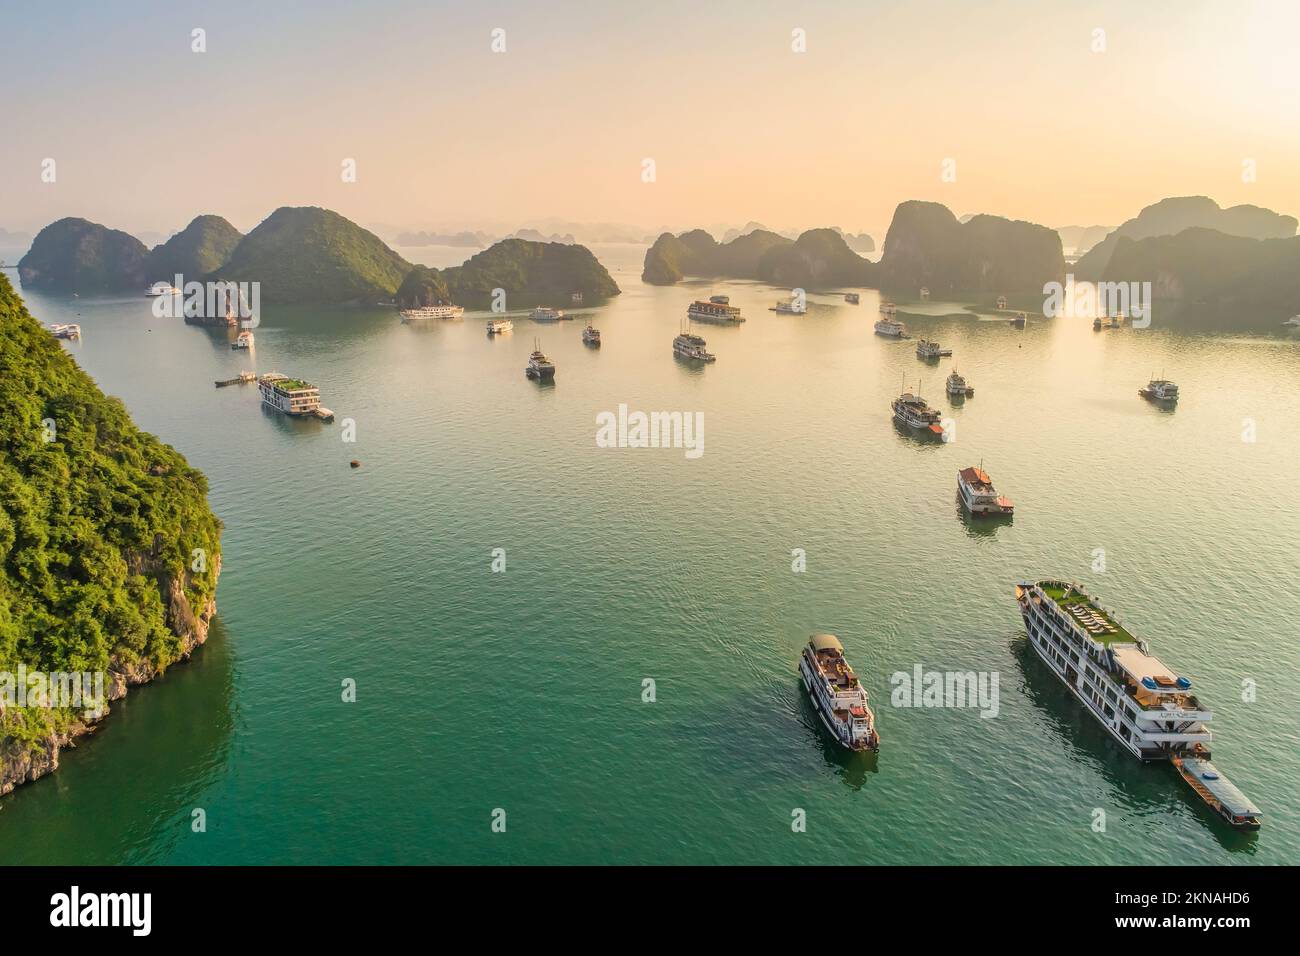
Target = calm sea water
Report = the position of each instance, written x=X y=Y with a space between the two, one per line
x=522 y=690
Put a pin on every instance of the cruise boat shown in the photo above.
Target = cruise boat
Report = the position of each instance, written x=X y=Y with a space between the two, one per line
x=788 y=307
x=891 y=328
x=71 y=331
x=925 y=292
x=1159 y=390
x=717 y=310
x=497 y=326
x=911 y=411
x=1019 y=320
x=837 y=694
x=1146 y=708
x=432 y=312
x=161 y=288
x=958 y=387
x=244 y=340
x=691 y=346
x=544 y=314
x=851 y=298
x=591 y=336
x=979 y=496
x=1218 y=792
x=1292 y=323
x=539 y=366
x=292 y=396
x=930 y=351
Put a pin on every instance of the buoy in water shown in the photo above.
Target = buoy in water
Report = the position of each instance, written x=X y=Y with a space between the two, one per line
x=356 y=463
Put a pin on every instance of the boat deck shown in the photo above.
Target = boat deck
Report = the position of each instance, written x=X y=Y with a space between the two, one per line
x=1098 y=622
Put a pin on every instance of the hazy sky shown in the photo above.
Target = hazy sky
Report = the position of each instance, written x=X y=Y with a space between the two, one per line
x=446 y=133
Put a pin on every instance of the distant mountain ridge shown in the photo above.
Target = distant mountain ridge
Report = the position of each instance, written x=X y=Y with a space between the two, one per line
x=1171 y=216
x=817 y=256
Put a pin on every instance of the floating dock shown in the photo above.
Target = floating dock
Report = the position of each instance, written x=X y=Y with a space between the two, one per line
x=245 y=378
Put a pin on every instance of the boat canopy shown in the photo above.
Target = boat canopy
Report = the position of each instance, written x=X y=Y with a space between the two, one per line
x=826 y=642
x=1141 y=666
x=1223 y=789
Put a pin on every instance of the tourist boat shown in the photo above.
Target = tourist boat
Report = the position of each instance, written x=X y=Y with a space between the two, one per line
x=1159 y=390
x=717 y=310
x=539 y=366
x=1019 y=320
x=70 y=331
x=789 y=307
x=1292 y=323
x=691 y=346
x=925 y=292
x=544 y=314
x=244 y=340
x=851 y=298
x=432 y=312
x=497 y=326
x=161 y=288
x=911 y=411
x=1149 y=711
x=958 y=387
x=1218 y=792
x=979 y=496
x=930 y=351
x=837 y=694
x=891 y=328
x=292 y=396
x=591 y=336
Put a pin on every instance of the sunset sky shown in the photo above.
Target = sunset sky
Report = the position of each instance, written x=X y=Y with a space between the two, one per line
x=448 y=134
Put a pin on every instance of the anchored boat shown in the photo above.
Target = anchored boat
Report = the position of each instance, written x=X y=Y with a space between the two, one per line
x=1160 y=390
x=498 y=326
x=539 y=366
x=1146 y=708
x=591 y=336
x=451 y=312
x=837 y=694
x=958 y=387
x=911 y=411
x=718 y=310
x=979 y=496
x=691 y=346
x=931 y=351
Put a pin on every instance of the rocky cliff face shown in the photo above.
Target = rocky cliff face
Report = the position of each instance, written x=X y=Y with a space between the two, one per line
x=818 y=258
x=24 y=762
x=927 y=246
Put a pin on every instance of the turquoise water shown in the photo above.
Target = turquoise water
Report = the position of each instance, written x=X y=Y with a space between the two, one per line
x=523 y=690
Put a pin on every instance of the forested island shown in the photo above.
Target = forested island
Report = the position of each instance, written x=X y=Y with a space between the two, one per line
x=109 y=552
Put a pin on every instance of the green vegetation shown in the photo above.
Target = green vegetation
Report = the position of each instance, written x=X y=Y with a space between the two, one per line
x=421 y=287
x=203 y=246
x=527 y=268
x=310 y=255
x=74 y=255
x=1120 y=635
x=292 y=384
x=99 y=523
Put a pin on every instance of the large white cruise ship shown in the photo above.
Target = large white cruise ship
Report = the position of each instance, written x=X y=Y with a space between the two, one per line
x=432 y=312
x=1152 y=713
x=837 y=695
